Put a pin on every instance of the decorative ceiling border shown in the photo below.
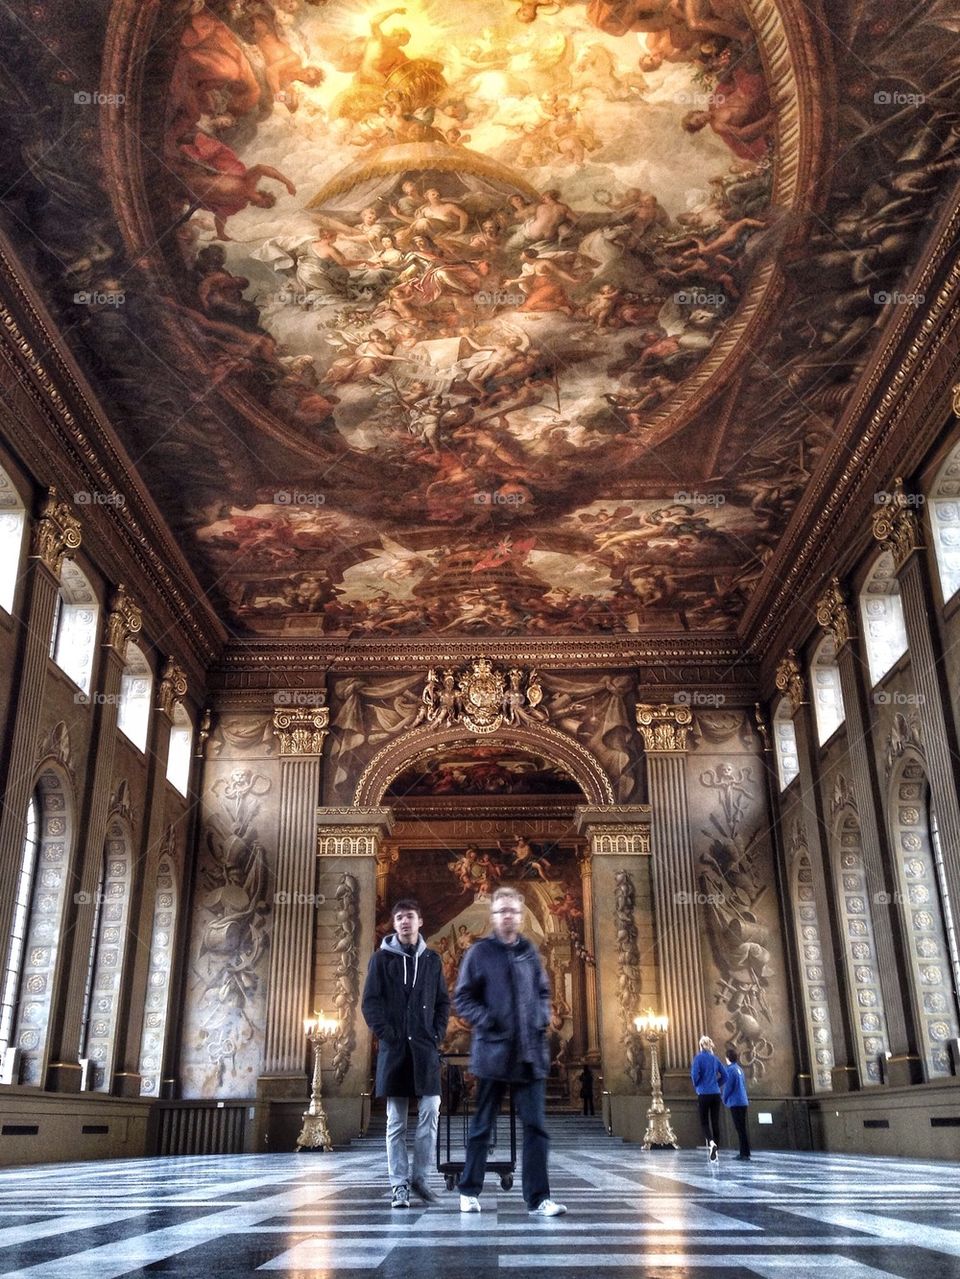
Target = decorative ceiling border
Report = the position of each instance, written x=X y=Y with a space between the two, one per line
x=87 y=454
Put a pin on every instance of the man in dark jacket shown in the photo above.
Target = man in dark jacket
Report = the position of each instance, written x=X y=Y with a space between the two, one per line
x=503 y=993
x=406 y=1005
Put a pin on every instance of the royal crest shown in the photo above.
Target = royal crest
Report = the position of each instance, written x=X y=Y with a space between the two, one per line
x=481 y=692
x=481 y=698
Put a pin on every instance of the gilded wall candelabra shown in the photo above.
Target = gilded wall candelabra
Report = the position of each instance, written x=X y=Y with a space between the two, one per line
x=650 y=1026
x=315 y=1135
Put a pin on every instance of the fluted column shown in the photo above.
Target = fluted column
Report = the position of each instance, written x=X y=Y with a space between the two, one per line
x=300 y=733
x=666 y=730
x=56 y=534
x=834 y=615
x=592 y=1047
x=897 y=528
x=63 y=1074
x=171 y=690
x=845 y=1072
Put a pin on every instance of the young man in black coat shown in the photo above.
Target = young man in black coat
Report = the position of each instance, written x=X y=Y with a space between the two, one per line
x=504 y=994
x=406 y=1005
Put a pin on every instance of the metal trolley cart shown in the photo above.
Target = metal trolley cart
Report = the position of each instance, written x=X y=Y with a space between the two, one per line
x=452 y=1132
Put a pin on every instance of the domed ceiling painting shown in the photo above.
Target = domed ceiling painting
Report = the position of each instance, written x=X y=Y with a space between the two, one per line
x=482 y=318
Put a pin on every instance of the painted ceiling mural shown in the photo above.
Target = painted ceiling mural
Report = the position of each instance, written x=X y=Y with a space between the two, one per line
x=500 y=317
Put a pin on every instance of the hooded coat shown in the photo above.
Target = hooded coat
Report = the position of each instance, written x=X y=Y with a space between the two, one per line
x=504 y=994
x=406 y=1005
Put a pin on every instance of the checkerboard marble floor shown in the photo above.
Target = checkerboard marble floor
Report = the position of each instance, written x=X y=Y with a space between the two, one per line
x=662 y=1215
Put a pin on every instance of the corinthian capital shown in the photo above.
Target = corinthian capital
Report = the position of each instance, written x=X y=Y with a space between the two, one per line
x=895 y=524
x=301 y=730
x=833 y=614
x=173 y=687
x=123 y=620
x=790 y=680
x=665 y=727
x=56 y=532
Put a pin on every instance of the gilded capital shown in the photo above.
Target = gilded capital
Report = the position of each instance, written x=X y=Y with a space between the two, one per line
x=665 y=727
x=833 y=613
x=895 y=524
x=173 y=687
x=123 y=620
x=790 y=680
x=301 y=730
x=55 y=533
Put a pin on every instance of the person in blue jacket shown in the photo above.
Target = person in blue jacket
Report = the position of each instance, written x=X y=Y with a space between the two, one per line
x=735 y=1099
x=708 y=1072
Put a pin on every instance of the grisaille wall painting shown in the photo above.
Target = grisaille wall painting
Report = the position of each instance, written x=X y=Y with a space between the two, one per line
x=500 y=317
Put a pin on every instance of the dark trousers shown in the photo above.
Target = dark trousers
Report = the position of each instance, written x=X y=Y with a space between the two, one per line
x=588 y=1106
x=530 y=1100
x=709 y=1106
x=739 y=1116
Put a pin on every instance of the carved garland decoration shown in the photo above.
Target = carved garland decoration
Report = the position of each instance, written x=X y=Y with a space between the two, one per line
x=630 y=986
x=346 y=989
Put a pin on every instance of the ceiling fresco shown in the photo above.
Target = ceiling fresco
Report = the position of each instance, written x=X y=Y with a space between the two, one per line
x=493 y=318
x=482 y=770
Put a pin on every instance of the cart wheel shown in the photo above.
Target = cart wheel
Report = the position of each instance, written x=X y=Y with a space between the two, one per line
x=506 y=1180
x=450 y=1180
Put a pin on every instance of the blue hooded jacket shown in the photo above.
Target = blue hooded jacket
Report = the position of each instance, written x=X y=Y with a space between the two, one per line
x=706 y=1071
x=734 y=1086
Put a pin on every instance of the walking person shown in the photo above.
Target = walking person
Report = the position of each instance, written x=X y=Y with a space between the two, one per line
x=586 y=1090
x=708 y=1072
x=504 y=995
x=735 y=1099
x=406 y=1004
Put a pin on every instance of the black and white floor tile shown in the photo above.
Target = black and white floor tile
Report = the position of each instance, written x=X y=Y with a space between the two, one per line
x=661 y=1215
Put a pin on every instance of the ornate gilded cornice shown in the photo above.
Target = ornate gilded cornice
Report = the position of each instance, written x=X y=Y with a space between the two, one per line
x=790 y=680
x=895 y=525
x=833 y=614
x=301 y=730
x=123 y=620
x=56 y=533
x=665 y=728
x=172 y=688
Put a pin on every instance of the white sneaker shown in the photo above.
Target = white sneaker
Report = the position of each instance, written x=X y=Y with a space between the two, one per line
x=547 y=1208
x=714 y=1156
x=469 y=1203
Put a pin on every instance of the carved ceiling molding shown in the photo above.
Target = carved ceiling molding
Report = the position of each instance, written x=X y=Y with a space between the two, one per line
x=87 y=456
x=895 y=410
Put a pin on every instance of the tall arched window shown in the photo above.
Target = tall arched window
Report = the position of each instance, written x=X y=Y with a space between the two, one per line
x=44 y=920
x=105 y=966
x=136 y=685
x=943 y=504
x=785 y=738
x=881 y=612
x=180 y=750
x=18 y=932
x=827 y=695
x=13 y=521
x=74 y=639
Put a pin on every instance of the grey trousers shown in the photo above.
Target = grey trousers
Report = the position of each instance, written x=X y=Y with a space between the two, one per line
x=424 y=1139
